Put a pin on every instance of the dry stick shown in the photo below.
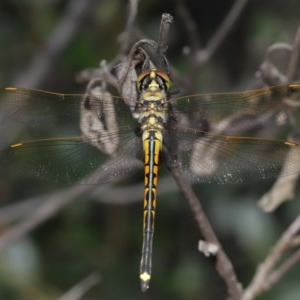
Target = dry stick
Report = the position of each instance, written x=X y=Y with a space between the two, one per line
x=133 y=10
x=76 y=292
x=190 y=26
x=125 y=38
x=14 y=212
x=122 y=195
x=66 y=29
x=280 y=271
x=295 y=242
x=224 y=28
x=263 y=272
x=199 y=57
x=294 y=59
x=223 y=264
x=165 y=24
x=58 y=41
x=46 y=210
x=51 y=205
x=130 y=194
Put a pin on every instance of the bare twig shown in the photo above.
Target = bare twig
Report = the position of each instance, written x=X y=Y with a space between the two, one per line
x=223 y=264
x=294 y=58
x=104 y=194
x=265 y=277
x=295 y=242
x=16 y=211
x=277 y=274
x=201 y=56
x=46 y=210
x=76 y=292
x=162 y=44
x=224 y=28
x=283 y=188
x=190 y=26
x=130 y=194
x=57 y=201
x=127 y=37
x=61 y=37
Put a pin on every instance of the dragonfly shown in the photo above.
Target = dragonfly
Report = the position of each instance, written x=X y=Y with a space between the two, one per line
x=61 y=137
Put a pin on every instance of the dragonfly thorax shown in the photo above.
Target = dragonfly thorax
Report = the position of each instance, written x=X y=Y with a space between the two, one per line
x=151 y=108
x=152 y=114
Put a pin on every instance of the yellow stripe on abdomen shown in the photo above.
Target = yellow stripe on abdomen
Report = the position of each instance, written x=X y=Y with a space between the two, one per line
x=152 y=144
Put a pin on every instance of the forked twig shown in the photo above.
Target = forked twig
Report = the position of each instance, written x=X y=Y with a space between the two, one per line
x=57 y=42
x=52 y=204
x=266 y=274
x=43 y=212
x=199 y=57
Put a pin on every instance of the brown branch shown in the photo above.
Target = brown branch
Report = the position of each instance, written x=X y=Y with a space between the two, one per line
x=162 y=44
x=224 y=29
x=198 y=57
x=190 y=26
x=16 y=211
x=43 y=212
x=223 y=264
x=81 y=288
x=127 y=37
x=57 y=201
x=264 y=278
x=293 y=63
x=69 y=25
x=277 y=274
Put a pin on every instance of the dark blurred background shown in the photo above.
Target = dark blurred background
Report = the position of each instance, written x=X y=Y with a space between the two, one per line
x=89 y=236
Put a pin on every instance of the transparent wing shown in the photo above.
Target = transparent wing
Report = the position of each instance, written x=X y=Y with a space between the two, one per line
x=209 y=138
x=63 y=137
x=244 y=106
x=231 y=159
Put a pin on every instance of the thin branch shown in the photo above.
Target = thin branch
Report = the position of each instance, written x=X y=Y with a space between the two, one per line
x=16 y=211
x=69 y=25
x=294 y=58
x=223 y=264
x=201 y=56
x=225 y=27
x=162 y=44
x=131 y=193
x=57 y=201
x=126 y=38
x=45 y=211
x=190 y=26
x=276 y=275
x=263 y=272
x=76 y=292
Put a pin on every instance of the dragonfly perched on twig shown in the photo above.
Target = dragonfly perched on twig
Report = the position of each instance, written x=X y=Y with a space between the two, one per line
x=197 y=133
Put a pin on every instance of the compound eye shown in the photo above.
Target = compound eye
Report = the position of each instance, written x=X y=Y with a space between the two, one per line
x=141 y=78
x=165 y=78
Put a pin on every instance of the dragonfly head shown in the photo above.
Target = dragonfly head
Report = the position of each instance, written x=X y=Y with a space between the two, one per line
x=153 y=80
